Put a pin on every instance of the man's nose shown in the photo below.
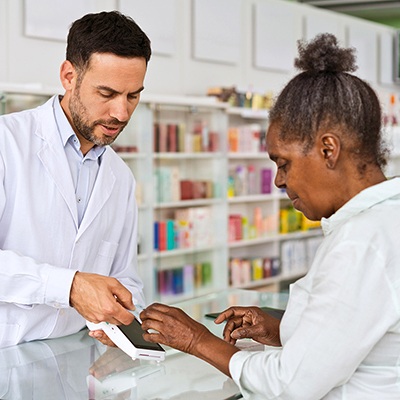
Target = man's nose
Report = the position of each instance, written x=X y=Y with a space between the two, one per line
x=120 y=110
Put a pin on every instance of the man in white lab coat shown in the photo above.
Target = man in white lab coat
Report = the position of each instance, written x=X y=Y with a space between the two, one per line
x=68 y=214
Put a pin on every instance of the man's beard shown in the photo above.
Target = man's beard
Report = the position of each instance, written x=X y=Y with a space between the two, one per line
x=85 y=128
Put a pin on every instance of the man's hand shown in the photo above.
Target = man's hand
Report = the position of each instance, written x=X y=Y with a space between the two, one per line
x=250 y=322
x=113 y=360
x=100 y=298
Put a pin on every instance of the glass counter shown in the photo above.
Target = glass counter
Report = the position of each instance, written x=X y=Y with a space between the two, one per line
x=79 y=367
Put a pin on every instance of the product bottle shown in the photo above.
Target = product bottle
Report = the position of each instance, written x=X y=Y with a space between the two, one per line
x=240 y=181
x=251 y=179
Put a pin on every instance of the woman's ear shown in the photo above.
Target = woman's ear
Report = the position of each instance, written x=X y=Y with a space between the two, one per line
x=330 y=148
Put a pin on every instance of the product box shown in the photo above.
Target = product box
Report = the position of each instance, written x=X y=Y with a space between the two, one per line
x=198 y=275
x=257 y=269
x=161 y=282
x=188 y=279
x=266 y=181
x=186 y=190
x=156 y=236
x=235 y=269
x=207 y=273
x=175 y=184
x=170 y=235
x=267 y=267
x=214 y=142
x=184 y=233
x=276 y=266
x=246 y=271
x=164 y=184
x=162 y=138
x=199 y=190
x=177 y=281
x=171 y=139
x=202 y=226
x=162 y=236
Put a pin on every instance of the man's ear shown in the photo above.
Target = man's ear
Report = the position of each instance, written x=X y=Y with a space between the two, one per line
x=330 y=147
x=68 y=75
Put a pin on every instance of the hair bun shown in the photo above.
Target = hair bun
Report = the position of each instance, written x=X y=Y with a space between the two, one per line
x=323 y=54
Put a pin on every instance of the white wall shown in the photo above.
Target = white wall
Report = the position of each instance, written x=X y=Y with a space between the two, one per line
x=27 y=60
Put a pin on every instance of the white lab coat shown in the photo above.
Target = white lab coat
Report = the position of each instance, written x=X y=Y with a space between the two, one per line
x=41 y=244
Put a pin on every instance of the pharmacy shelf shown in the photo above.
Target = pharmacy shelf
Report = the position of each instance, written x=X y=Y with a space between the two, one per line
x=131 y=155
x=245 y=156
x=186 y=156
x=249 y=113
x=180 y=252
x=188 y=203
x=142 y=257
x=253 y=198
x=139 y=132
x=183 y=296
x=272 y=280
x=189 y=101
x=276 y=237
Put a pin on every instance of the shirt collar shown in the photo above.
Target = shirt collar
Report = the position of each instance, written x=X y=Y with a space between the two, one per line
x=66 y=132
x=364 y=200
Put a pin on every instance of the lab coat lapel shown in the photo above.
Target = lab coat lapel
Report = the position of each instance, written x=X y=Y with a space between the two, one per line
x=54 y=160
x=102 y=190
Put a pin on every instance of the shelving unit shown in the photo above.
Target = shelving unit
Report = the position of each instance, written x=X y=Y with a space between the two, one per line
x=215 y=166
x=199 y=165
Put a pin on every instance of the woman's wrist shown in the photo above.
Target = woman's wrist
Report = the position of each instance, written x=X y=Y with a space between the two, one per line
x=215 y=351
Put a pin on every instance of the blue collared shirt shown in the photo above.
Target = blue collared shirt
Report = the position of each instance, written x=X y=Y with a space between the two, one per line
x=84 y=169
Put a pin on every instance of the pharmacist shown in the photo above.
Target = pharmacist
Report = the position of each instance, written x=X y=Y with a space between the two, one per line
x=340 y=335
x=68 y=214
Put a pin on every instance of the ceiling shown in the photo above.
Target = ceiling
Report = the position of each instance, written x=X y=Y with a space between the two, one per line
x=374 y=10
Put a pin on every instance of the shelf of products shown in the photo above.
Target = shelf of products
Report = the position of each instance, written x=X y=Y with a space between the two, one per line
x=209 y=215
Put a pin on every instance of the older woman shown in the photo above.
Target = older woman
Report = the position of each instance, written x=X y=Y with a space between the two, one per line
x=340 y=335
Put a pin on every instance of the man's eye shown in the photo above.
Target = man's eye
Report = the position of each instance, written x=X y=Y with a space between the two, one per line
x=282 y=167
x=106 y=95
x=132 y=96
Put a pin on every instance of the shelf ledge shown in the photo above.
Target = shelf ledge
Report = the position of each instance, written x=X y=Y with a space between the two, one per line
x=188 y=203
x=241 y=156
x=179 y=252
x=189 y=156
x=250 y=113
x=253 y=198
x=276 y=237
x=271 y=280
x=131 y=156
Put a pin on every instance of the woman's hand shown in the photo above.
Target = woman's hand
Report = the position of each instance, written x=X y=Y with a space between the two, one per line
x=175 y=328
x=250 y=322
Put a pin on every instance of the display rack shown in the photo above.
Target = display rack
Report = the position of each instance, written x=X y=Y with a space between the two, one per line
x=138 y=151
x=206 y=165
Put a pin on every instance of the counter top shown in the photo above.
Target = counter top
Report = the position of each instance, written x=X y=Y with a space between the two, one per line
x=79 y=367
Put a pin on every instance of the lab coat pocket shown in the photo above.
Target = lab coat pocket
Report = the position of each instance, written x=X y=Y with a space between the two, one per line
x=105 y=257
x=8 y=334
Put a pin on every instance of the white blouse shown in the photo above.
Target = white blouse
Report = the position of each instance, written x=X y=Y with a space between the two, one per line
x=341 y=331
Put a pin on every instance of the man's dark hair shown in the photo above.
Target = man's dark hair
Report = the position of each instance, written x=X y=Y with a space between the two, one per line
x=105 y=32
x=325 y=96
